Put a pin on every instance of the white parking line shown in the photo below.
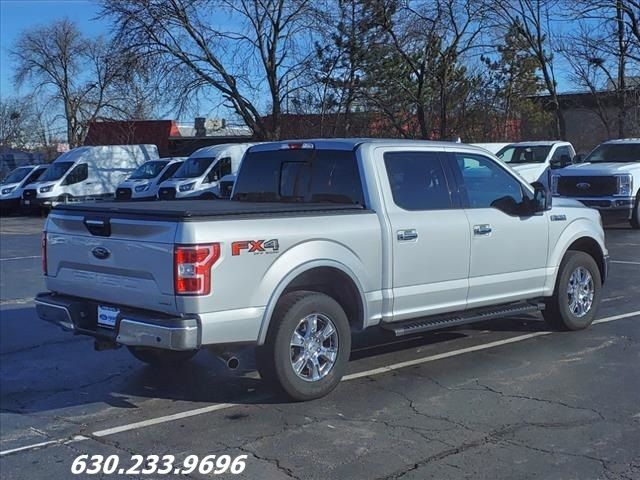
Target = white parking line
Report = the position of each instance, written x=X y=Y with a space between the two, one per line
x=61 y=441
x=166 y=418
x=19 y=258
x=346 y=378
x=625 y=262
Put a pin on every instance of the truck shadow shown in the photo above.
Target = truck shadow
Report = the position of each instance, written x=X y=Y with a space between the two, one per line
x=43 y=369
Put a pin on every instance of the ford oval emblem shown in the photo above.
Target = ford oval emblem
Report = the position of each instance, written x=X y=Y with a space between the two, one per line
x=583 y=186
x=101 y=253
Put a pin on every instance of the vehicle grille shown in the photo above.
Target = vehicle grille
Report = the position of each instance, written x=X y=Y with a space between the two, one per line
x=30 y=193
x=123 y=194
x=587 y=186
x=167 y=193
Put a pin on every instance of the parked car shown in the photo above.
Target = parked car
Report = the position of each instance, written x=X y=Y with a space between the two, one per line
x=322 y=238
x=144 y=182
x=607 y=179
x=86 y=173
x=14 y=184
x=534 y=160
x=199 y=176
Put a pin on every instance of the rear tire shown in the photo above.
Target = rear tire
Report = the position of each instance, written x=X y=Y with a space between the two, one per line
x=576 y=297
x=635 y=216
x=159 y=357
x=308 y=346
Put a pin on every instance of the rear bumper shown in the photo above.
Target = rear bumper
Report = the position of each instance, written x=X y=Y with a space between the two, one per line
x=136 y=328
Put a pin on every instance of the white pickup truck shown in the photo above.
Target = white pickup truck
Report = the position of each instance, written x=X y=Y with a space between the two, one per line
x=321 y=239
x=607 y=179
x=533 y=160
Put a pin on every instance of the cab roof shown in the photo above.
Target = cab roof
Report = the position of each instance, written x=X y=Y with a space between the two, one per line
x=353 y=143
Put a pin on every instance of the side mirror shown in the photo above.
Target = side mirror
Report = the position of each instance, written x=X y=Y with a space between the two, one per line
x=563 y=161
x=541 y=198
x=579 y=158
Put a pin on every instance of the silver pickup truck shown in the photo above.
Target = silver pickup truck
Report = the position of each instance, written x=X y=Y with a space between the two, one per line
x=322 y=239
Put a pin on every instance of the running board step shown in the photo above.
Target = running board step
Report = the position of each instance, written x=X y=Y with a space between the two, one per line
x=426 y=324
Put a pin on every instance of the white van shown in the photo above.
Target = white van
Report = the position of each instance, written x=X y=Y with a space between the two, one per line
x=12 y=186
x=87 y=173
x=144 y=182
x=200 y=175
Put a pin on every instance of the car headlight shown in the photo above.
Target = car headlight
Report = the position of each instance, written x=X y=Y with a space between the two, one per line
x=142 y=188
x=554 y=184
x=8 y=190
x=186 y=187
x=46 y=189
x=625 y=184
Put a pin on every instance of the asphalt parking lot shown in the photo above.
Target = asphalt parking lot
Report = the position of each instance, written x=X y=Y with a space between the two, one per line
x=502 y=399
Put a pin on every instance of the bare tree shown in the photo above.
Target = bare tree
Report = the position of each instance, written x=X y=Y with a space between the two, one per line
x=603 y=52
x=262 y=50
x=75 y=72
x=15 y=114
x=533 y=19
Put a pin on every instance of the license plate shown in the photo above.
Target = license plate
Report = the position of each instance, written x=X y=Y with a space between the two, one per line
x=107 y=316
x=27 y=202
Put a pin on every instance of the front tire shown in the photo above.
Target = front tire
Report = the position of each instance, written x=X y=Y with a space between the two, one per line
x=308 y=346
x=635 y=216
x=577 y=294
x=158 y=357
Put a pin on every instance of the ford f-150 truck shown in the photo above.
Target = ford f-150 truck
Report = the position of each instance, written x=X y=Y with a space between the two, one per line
x=321 y=239
x=608 y=179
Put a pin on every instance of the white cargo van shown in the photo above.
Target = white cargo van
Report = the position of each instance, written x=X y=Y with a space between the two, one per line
x=87 y=173
x=12 y=186
x=144 y=182
x=200 y=175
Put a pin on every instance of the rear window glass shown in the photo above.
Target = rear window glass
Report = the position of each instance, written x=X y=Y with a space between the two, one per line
x=303 y=175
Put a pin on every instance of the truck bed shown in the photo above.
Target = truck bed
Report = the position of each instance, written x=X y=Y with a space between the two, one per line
x=190 y=210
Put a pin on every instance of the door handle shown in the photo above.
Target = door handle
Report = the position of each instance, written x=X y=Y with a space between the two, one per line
x=407 y=235
x=482 y=230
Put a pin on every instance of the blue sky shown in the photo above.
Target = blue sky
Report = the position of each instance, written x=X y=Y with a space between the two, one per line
x=18 y=15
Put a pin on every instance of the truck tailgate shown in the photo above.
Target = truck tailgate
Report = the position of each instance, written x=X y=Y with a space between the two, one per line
x=112 y=260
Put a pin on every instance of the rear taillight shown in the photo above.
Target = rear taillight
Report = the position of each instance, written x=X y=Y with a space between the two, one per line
x=44 y=252
x=192 y=268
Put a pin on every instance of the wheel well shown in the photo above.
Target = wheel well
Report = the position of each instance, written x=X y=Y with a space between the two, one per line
x=591 y=247
x=338 y=285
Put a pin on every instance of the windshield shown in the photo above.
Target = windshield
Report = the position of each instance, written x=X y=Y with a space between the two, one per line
x=56 y=171
x=17 y=175
x=193 y=167
x=148 y=170
x=615 y=152
x=521 y=154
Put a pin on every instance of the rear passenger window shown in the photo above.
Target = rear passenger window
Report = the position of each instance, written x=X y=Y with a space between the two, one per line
x=417 y=180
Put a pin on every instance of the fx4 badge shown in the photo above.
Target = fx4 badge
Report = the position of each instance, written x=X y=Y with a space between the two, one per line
x=255 y=246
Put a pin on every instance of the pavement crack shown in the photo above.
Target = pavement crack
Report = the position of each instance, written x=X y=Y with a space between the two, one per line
x=485 y=387
x=273 y=461
x=42 y=345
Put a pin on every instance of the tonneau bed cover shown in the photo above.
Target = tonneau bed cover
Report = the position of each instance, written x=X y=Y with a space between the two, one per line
x=185 y=210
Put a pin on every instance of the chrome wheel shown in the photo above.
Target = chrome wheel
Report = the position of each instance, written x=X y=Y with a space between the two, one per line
x=314 y=347
x=580 y=292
